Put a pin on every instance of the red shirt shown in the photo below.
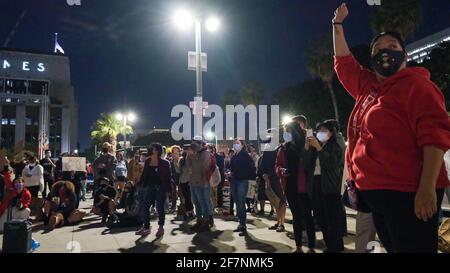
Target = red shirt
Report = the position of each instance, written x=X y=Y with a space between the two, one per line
x=280 y=163
x=25 y=199
x=390 y=124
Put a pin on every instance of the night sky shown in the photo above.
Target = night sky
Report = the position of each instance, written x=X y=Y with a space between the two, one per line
x=130 y=48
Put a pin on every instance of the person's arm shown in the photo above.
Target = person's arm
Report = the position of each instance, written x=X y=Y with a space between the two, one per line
x=340 y=43
x=426 y=199
x=349 y=72
x=429 y=121
x=26 y=199
x=279 y=163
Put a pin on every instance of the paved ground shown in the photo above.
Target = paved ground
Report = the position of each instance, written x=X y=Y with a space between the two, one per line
x=91 y=236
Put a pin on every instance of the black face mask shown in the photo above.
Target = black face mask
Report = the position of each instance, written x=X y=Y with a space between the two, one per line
x=391 y=65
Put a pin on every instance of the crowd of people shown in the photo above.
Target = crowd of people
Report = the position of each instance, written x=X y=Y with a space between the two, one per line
x=391 y=171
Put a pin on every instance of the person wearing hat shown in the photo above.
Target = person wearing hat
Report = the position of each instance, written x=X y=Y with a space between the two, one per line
x=397 y=134
x=200 y=163
x=104 y=204
x=105 y=164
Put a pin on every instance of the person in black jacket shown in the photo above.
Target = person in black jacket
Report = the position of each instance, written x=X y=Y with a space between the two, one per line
x=242 y=170
x=104 y=204
x=60 y=206
x=324 y=175
x=155 y=186
x=220 y=162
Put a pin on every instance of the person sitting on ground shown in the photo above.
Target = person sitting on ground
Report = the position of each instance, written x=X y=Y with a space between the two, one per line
x=130 y=217
x=19 y=198
x=104 y=204
x=60 y=206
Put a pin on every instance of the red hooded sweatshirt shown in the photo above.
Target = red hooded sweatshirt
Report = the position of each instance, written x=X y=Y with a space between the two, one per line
x=390 y=124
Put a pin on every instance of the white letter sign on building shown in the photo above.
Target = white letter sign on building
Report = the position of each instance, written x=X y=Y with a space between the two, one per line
x=24 y=65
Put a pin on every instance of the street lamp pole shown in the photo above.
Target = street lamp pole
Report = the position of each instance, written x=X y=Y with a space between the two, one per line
x=198 y=51
x=125 y=135
x=198 y=100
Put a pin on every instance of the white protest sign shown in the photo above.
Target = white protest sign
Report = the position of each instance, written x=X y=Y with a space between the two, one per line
x=77 y=164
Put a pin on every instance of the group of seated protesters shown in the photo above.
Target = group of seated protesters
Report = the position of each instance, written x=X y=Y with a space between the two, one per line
x=105 y=204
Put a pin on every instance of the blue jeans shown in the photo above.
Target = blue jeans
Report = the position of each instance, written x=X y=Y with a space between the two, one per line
x=201 y=197
x=147 y=196
x=239 y=190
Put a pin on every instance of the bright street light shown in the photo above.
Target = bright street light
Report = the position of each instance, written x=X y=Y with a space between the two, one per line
x=131 y=117
x=212 y=24
x=119 y=116
x=286 y=119
x=183 y=19
x=209 y=135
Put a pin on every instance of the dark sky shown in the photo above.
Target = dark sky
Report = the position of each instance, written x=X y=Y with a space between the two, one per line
x=130 y=48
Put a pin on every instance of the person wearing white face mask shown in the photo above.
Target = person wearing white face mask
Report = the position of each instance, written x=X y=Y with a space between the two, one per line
x=324 y=174
x=291 y=169
x=242 y=170
x=33 y=175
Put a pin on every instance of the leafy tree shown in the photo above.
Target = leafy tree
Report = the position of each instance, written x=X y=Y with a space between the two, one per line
x=319 y=61
x=107 y=128
x=403 y=16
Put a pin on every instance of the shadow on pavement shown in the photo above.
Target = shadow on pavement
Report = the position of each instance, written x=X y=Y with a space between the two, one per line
x=142 y=246
x=89 y=226
x=266 y=246
x=209 y=242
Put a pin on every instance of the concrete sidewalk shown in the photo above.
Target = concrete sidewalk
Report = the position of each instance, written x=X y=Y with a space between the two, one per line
x=91 y=236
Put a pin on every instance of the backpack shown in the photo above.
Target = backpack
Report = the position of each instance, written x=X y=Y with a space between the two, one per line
x=214 y=176
x=444 y=236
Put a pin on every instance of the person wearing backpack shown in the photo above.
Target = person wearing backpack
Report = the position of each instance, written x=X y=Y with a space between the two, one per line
x=200 y=164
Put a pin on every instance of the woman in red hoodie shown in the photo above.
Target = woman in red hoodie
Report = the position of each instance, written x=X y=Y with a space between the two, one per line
x=398 y=132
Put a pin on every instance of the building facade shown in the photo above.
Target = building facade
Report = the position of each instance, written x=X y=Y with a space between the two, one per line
x=420 y=49
x=37 y=101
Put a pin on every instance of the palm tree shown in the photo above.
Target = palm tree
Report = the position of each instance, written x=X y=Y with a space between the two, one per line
x=319 y=61
x=107 y=127
x=403 y=16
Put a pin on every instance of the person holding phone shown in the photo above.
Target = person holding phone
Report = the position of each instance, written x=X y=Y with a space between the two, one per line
x=324 y=178
x=291 y=169
x=398 y=132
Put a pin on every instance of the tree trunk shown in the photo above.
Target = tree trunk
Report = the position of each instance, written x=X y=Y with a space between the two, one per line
x=333 y=99
x=113 y=141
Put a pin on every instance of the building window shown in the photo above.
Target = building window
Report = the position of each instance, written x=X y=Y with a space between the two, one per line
x=12 y=121
x=37 y=87
x=8 y=129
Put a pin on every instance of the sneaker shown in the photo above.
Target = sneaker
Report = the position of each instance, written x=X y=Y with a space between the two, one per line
x=204 y=226
x=243 y=232
x=160 y=232
x=143 y=232
x=197 y=225
x=280 y=228
x=238 y=229
x=274 y=227
x=298 y=250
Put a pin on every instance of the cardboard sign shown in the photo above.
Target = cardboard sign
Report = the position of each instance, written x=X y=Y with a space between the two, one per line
x=77 y=164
